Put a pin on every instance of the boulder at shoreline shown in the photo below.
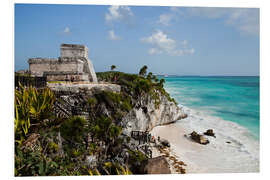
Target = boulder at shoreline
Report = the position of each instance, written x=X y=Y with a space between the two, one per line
x=157 y=165
x=199 y=138
x=210 y=132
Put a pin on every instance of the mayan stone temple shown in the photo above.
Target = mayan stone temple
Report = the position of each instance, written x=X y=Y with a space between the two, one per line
x=73 y=65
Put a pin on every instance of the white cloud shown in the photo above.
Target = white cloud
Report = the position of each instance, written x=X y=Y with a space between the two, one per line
x=112 y=36
x=246 y=20
x=118 y=13
x=66 y=30
x=161 y=43
x=165 y=19
x=243 y=19
x=154 y=51
x=170 y=16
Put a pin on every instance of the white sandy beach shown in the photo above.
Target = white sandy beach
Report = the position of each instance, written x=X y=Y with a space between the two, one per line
x=241 y=155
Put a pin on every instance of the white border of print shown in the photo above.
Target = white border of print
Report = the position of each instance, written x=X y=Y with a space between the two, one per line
x=7 y=71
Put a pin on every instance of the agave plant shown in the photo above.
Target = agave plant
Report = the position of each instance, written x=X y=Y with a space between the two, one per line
x=22 y=114
x=93 y=172
x=31 y=106
x=41 y=104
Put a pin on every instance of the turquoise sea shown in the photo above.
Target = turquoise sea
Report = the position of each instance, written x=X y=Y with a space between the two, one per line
x=232 y=98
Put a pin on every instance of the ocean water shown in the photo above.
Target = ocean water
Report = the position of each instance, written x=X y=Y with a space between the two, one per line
x=234 y=99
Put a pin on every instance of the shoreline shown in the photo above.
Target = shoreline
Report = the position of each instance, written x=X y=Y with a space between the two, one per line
x=232 y=151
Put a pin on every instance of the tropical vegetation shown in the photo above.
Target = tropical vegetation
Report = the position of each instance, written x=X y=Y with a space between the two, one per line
x=49 y=145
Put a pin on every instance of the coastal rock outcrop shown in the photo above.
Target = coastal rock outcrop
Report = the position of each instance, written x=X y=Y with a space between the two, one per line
x=157 y=165
x=145 y=115
x=199 y=138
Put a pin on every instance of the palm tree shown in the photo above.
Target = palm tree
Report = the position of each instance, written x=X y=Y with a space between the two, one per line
x=113 y=67
x=150 y=76
x=143 y=70
x=161 y=82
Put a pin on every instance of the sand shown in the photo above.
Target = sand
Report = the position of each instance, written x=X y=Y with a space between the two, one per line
x=241 y=155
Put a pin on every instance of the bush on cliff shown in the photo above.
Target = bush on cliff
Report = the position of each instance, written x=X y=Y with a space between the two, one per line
x=134 y=85
x=73 y=128
x=118 y=104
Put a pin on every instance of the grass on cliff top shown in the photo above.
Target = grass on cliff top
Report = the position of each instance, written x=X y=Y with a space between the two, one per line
x=137 y=85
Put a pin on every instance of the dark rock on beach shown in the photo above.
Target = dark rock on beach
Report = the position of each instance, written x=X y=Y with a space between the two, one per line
x=157 y=165
x=199 y=138
x=165 y=142
x=210 y=132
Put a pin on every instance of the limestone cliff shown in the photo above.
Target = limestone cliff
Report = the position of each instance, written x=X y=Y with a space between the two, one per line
x=145 y=115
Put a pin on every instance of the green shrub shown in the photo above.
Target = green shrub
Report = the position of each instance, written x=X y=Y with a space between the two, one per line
x=73 y=128
x=135 y=159
x=92 y=101
x=126 y=106
x=110 y=98
x=114 y=131
x=92 y=148
x=33 y=163
x=136 y=156
x=143 y=85
x=128 y=139
x=76 y=153
x=53 y=147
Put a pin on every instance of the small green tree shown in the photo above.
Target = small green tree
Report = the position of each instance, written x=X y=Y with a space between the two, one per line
x=155 y=79
x=149 y=76
x=113 y=67
x=161 y=82
x=143 y=70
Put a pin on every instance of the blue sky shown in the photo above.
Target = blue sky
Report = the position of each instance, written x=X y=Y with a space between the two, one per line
x=171 y=40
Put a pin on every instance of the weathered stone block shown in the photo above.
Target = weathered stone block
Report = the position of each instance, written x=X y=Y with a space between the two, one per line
x=74 y=50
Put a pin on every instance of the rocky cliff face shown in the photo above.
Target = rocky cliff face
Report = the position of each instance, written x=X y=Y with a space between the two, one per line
x=145 y=115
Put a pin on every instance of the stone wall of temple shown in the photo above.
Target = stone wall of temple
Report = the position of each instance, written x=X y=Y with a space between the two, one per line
x=38 y=66
x=73 y=64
